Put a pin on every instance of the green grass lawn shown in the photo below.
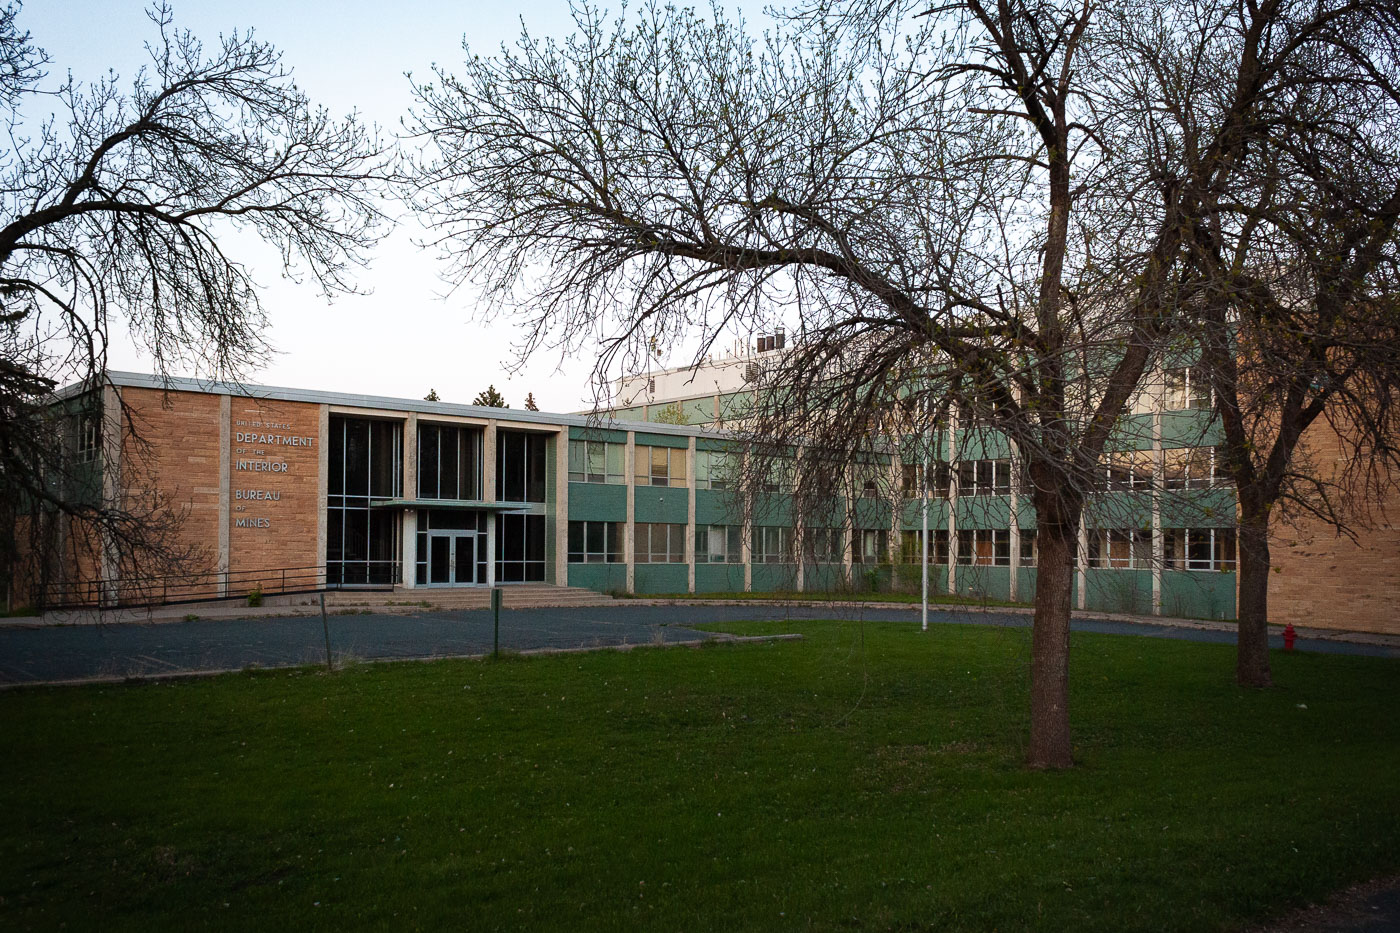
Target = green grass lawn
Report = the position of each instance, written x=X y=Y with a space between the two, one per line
x=865 y=778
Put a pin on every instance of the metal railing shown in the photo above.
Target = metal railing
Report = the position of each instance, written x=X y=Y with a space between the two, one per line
x=138 y=592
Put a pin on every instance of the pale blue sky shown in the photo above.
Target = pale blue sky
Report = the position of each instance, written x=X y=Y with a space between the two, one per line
x=402 y=339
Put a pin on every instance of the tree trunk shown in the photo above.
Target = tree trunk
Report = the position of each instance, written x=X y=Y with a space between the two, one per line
x=1252 y=653
x=1050 y=741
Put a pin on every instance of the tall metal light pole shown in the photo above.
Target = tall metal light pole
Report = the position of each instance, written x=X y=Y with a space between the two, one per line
x=923 y=495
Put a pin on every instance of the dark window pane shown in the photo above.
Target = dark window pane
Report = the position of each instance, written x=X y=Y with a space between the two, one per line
x=614 y=542
x=383 y=535
x=428 y=462
x=468 y=471
x=356 y=458
x=384 y=459
x=356 y=534
x=448 y=453
x=534 y=538
x=534 y=468
x=335 y=459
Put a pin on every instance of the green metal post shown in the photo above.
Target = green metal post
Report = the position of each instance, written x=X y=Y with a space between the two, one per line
x=326 y=627
x=496 y=611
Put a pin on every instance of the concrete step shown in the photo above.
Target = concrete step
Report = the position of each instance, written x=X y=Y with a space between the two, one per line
x=514 y=596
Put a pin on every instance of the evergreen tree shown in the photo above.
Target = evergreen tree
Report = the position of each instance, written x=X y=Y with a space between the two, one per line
x=490 y=398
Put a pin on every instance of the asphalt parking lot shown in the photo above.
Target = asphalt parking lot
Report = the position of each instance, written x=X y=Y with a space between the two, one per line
x=65 y=653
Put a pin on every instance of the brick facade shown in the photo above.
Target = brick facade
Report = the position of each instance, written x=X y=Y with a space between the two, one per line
x=274 y=492
x=241 y=473
x=169 y=460
x=1322 y=578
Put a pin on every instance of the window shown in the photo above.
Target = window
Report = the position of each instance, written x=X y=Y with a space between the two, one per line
x=1130 y=470
x=714 y=469
x=596 y=462
x=449 y=462
x=984 y=477
x=520 y=548
x=659 y=543
x=719 y=544
x=1186 y=387
x=772 y=545
x=1199 y=548
x=869 y=478
x=519 y=466
x=364 y=462
x=871 y=545
x=660 y=466
x=1193 y=468
x=1120 y=549
x=985 y=547
x=89 y=437
x=780 y=475
x=826 y=545
x=595 y=542
x=937 y=547
x=939 y=479
x=941 y=550
x=1029 y=550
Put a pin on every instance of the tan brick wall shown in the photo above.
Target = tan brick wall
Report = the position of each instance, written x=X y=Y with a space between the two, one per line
x=273 y=489
x=1323 y=579
x=170 y=457
x=270 y=467
x=75 y=564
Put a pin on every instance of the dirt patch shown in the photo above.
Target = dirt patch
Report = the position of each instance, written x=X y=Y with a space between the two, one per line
x=1370 y=907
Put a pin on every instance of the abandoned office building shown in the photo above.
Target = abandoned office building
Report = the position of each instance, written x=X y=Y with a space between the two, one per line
x=363 y=491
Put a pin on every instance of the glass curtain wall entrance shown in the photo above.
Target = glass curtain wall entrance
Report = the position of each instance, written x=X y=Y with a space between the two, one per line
x=451 y=558
x=451 y=548
x=365 y=462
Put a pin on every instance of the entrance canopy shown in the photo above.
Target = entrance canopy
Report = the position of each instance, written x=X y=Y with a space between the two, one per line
x=469 y=505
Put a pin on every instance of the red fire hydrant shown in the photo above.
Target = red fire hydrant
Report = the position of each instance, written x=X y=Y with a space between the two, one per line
x=1289 y=637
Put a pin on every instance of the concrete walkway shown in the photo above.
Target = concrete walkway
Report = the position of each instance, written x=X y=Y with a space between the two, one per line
x=73 y=653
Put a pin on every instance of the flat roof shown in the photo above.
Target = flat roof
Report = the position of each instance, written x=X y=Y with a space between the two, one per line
x=356 y=400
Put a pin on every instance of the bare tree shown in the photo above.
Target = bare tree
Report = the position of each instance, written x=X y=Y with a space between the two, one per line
x=122 y=207
x=1301 y=264
x=953 y=211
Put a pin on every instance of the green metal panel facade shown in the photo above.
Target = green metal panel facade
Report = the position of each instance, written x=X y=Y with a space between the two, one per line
x=715 y=507
x=774 y=577
x=662 y=440
x=1193 y=594
x=825 y=578
x=597 y=502
x=661 y=578
x=719 y=578
x=605 y=578
x=1025 y=584
x=661 y=504
x=984 y=582
x=1198 y=594
x=598 y=434
x=1127 y=591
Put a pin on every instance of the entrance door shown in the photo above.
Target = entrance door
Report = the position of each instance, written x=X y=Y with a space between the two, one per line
x=451 y=558
x=464 y=559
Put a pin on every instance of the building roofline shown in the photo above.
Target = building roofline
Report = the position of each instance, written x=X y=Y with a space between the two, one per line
x=358 y=400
